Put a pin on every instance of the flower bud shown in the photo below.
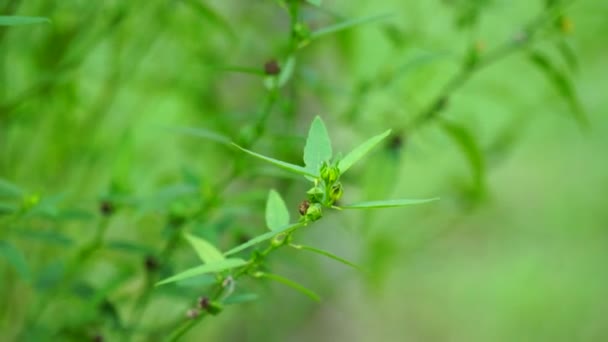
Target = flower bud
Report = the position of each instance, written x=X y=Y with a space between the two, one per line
x=210 y=306
x=303 y=207
x=314 y=212
x=278 y=240
x=336 y=192
x=315 y=195
x=330 y=173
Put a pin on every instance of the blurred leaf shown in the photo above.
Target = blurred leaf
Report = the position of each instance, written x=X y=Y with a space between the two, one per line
x=327 y=254
x=7 y=208
x=388 y=203
x=562 y=84
x=204 y=133
x=10 y=190
x=360 y=151
x=219 y=266
x=262 y=238
x=568 y=55
x=19 y=20
x=241 y=298
x=49 y=237
x=277 y=215
x=318 y=146
x=129 y=246
x=206 y=251
x=348 y=24
x=289 y=283
x=242 y=70
x=203 y=9
x=287 y=71
x=16 y=259
x=467 y=144
x=314 y=2
x=284 y=165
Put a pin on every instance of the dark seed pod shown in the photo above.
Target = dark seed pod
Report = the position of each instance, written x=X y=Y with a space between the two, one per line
x=106 y=208
x=151 y=263
x=303 y=207
x=272 y=67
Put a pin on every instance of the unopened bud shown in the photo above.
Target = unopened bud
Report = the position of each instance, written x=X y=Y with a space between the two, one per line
x=336 y=192
x=315 y=195
x=314 y=212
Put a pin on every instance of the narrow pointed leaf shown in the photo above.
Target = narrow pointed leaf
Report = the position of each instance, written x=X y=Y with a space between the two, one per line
x=359 y=152
x=291 y=284
x=318 y=146
x=348 y=24
x=284 y=165
x=205 y=250
x=287 y=71
x=241 y=298
x=20 y=20
x=205 y=269
x=469 y=147
x=562 y=84
x=388 y=203
x=262 y=238
x=277 y=215
x=327 y=254
x=15 y=258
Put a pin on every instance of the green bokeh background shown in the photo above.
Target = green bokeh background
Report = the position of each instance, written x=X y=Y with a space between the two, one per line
x=98 y=103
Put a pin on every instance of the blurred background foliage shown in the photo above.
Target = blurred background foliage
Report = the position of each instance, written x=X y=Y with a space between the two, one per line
x=498 y=107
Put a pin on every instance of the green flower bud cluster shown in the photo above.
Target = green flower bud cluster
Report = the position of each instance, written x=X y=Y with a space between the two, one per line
x=326 y=191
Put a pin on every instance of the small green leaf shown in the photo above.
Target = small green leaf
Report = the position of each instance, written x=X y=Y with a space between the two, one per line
x=204 y=269
x=19 y=20
x=262 y=238
x=277 y=215
x=15 y=258
x=562 y=84
x=345 y=163
x=206 y=251
x=284 y=165
x=388 y=203
x=314 y=2
x=241 y=298
x=347 y=24
x=318 y=146
x=327 y=254
x=289 y=283
x=469 y=147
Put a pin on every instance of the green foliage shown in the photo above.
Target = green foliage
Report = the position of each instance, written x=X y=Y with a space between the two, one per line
x=277 y=215
x=104 y=193
x=21 y=20
x=217 y=266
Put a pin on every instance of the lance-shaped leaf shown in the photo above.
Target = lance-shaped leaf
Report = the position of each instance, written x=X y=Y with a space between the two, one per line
x=388 y=203
x=205 y=269
x=348 y=24
x=206 y=251
x=262 y=238
x=277 y=215
x=359 y=152
x=15 y=258
x=289 y=283
x=284 y=165
x=318 y=146
x=471 y=150
x=562 y=84
x=20 y=20
x=325 y=253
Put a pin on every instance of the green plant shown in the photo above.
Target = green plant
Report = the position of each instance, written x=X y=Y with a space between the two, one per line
x=324 y=172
